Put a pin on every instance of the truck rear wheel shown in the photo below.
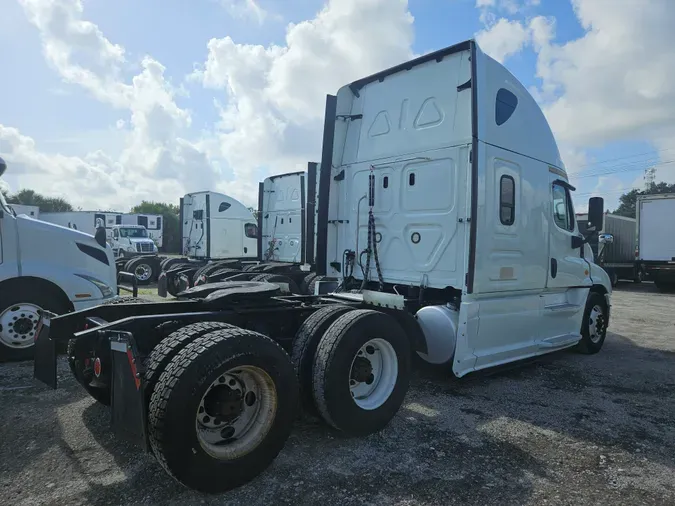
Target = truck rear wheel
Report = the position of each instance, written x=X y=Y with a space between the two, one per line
x=278 y=278
x=20 y=311
x=144 y=269
x=304 y=285
x=306 y=342
x=170 y=346
x=222 y=410
x=361 y=372
x=594 y=324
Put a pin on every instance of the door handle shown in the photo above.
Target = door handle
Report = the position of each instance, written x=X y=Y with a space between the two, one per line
x=554 y=267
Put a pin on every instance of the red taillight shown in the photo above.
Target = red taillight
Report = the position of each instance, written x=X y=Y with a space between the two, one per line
x=97 y=367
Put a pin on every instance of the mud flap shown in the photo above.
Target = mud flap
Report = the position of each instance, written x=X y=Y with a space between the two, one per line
x=128 y=411
x=162 y=283
x=44 y=362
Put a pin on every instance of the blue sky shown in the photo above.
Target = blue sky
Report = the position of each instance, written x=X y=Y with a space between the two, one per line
x=65 y=118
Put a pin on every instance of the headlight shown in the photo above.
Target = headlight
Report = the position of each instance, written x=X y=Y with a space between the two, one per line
x=131 y=248
x=105 y=290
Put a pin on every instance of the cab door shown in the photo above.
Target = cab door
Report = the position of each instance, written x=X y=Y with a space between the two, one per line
x=567 y=267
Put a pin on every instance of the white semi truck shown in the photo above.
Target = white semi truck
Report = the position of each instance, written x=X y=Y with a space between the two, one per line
x=153 y=223
x=656 y=238
x=445 y=214
x=45 y=267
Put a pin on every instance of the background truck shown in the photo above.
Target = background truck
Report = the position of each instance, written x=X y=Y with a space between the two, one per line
x=84 y=221
x=287 y=216
x=32 y=211
x=656 y=238
x=445 y=214
x=45 y=267
x=285 y=245
x=153 y=223
x=616 y=255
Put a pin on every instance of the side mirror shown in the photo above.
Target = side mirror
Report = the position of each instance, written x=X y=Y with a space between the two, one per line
x=3 y=166
x=605 y=238
x=596 y=210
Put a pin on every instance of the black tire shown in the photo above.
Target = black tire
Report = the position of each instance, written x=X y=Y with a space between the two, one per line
x=592 y=340
x=639 y=276
x=304 y=285
x=206 y=270
x=168 y=262
x=305 y=343
x=614 y=278
x=10 y=315
x=178 y=393
x=311 y=286
x=170 y=346
x=216 y=276
x=146 y=267
x=333 y=366
x=271 y=278
x=82 y=368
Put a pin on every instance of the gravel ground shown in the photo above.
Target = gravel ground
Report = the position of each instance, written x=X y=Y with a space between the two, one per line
x=564 y=429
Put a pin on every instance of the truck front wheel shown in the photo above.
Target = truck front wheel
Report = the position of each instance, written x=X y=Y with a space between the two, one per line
x=223 y=409
x=593 y=325
x=20 y=312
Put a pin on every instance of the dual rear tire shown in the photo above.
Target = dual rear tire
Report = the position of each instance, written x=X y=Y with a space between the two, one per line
x=353 y=367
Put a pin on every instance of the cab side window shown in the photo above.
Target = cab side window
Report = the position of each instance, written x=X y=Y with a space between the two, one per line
x=563 y=213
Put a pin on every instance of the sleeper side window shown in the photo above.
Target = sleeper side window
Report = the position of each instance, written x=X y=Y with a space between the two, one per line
x=505 y=106
x=563 y=214
x=507 y=200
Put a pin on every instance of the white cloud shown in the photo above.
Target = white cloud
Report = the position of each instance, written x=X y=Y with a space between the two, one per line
x=270 y=99
x=246 y=9
x=614 y=82
x=155 y=149
x=276 y=94
x=503 y=39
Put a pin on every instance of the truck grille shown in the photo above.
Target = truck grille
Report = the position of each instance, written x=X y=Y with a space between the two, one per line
x=144 y=247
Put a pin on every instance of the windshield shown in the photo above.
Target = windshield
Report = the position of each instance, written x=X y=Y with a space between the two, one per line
x=133 y=233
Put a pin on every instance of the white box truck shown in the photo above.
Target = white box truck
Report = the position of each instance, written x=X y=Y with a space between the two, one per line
x=446 y=215
x=84 y=221
x=45 y=267
x=32 y=211
x=656 y=238
x=614 y=247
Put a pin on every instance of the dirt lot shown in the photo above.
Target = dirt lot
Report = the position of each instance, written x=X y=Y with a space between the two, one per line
x=566 y=429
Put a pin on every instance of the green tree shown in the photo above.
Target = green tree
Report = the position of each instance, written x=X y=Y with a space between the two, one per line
x=28 y=197
x=254 y=212
x=629 y=199
x=170 y=215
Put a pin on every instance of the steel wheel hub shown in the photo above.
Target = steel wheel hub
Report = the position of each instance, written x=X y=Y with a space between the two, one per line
x=18 y=324
x=596 y=324
x=143 y=272
x=236 y=412
x=373 y=374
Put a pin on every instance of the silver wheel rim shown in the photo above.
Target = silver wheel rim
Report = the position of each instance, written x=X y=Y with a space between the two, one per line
x=236 y=412
x=143 y=272
x=373 y=374
x=18 y=324
x=596 y=324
